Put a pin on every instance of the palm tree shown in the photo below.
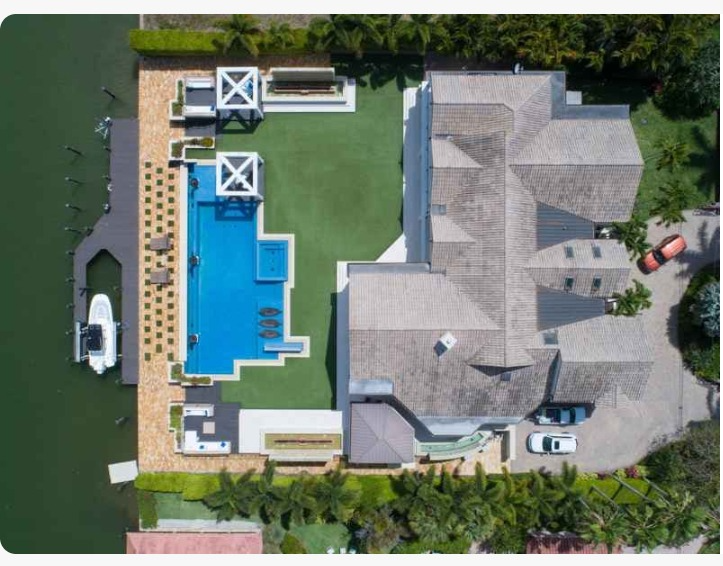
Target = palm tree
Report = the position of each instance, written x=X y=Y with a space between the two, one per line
x=673 y=154
x=420 y=29
x=334 y=500
x=632 y=235
x=278 y=37
x=552 y=40
x=242 y=33
x=233 y=497
x=354 y=32
x=543 y=500
x=320 y=34
x=267 y=501
x=683 y=518
x=295 y=502
x=632 y=301
x=671 y=203
x=606 y=524
x=391 y=29
x=476 y=518
x=646 y=527
x=380 y=531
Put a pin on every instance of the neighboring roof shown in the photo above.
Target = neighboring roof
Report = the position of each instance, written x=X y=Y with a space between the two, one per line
x=194 y=543
x=380 y=435
x=565 y=544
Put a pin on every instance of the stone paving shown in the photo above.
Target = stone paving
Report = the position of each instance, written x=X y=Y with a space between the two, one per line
x=618 y=437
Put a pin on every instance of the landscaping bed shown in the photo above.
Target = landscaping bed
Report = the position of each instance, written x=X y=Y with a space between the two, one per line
x=701 y=353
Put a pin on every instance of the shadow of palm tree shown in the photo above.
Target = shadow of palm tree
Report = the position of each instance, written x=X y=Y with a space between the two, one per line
x=381 y=69
x=709 y=161
x=708 y=251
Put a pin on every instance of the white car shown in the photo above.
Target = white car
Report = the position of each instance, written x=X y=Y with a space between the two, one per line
x=552 y=443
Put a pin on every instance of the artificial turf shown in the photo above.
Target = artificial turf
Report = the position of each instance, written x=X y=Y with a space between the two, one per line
x=333 y=180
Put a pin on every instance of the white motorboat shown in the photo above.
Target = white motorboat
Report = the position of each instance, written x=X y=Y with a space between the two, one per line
x=101 y=335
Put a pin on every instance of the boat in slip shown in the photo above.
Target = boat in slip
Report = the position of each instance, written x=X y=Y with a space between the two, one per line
x=101 y=335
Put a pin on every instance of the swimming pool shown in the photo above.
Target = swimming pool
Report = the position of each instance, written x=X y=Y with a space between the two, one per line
x=235 y=284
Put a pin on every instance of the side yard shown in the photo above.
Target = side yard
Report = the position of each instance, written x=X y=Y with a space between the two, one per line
x=652 y=128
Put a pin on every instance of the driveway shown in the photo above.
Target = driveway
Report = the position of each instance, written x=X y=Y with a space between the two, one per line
x=615 y=438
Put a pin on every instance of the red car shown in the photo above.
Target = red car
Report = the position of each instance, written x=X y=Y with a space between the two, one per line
x=663 y=252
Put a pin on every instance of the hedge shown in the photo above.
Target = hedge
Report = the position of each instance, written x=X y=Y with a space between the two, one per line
x=175 y=42
x=147 y=510
x=457 y=546
x=154 y=43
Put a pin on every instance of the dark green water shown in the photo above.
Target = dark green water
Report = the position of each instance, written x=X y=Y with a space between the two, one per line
x=58 y=429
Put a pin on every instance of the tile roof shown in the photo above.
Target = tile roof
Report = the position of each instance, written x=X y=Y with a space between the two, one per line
x=505 y=155
x=194 y=543
x=380 y=435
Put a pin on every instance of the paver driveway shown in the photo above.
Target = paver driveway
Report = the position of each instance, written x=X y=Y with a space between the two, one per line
x=614 y=438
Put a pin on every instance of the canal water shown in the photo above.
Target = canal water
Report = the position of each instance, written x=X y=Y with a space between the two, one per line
x=58 y=419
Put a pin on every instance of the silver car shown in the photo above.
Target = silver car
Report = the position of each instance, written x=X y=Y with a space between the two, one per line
x=552 y=443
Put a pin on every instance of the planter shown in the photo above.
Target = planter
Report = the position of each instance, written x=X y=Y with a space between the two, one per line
x=176 y=154
x=175 y=106
x=176 y=376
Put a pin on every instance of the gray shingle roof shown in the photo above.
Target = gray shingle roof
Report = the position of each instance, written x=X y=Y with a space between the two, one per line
x=379 y=435
x=504 y=157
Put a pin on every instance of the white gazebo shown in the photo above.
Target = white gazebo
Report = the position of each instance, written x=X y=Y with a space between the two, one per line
x=237 y=88
x=240 y=174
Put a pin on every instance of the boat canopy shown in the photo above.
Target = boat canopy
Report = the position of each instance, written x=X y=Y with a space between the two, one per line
x=95 y=337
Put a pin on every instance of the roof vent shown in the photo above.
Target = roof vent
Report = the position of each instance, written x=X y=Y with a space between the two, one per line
x=506 y=376
x=445 y=342
x=438 y=209
x=517 y=69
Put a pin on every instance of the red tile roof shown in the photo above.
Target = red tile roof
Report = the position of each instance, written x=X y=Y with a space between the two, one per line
x=564 y=544
x=194 y=543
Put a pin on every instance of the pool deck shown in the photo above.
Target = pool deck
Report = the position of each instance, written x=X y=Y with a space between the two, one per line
x=160 y=212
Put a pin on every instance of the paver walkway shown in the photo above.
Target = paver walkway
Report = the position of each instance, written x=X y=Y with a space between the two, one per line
x=615 y=438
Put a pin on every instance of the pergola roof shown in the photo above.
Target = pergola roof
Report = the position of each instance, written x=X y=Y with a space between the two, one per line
x=237 y=175
x=237 y=88
x=380 y=435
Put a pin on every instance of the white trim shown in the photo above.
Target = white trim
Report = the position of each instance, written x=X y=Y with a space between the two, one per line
x=223 y=78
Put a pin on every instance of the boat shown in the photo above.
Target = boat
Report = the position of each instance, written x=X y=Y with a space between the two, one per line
x=269 y=323
x=269 y=311
x=101 y=335
x=269 y=334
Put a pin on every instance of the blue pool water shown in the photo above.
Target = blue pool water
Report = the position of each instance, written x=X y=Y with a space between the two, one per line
x=232 y=281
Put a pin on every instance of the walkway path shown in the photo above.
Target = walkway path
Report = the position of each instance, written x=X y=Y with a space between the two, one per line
x=615 y=438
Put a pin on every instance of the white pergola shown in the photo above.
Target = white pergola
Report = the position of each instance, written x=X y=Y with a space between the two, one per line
x=238 y=175
x=237 y=88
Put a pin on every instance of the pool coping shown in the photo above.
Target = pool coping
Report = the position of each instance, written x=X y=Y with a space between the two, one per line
x=288 y=285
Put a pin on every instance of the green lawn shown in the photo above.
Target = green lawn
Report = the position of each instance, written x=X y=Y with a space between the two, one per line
x=333 y=180
x=651 y=126
x=317 y=538
x=173 y=506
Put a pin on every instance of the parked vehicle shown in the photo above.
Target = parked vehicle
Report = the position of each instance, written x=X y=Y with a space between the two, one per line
x=561 y=415
x=552 y=443
x=663 y=252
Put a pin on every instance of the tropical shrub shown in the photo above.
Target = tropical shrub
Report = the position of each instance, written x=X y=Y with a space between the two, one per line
x=701 y=352
x=694 y=91
x=707 y=308
x=147 y=510
x=457 y=546
x=292 y=545
x=691 y=463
